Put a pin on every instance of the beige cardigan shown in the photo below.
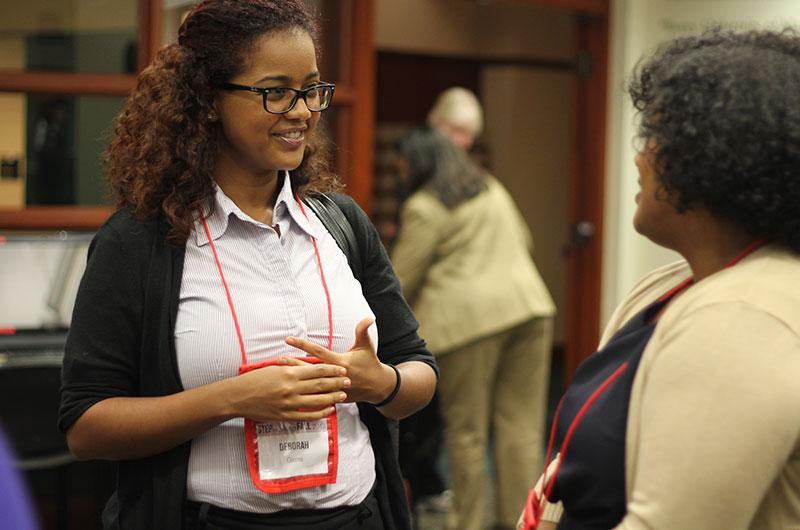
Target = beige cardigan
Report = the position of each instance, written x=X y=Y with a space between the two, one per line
x=713 y=435
x=467 y=272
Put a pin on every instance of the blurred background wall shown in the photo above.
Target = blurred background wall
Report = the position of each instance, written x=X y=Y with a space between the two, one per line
x=517 y=58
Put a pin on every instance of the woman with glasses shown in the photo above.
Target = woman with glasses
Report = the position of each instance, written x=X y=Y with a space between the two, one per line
x=688 y=417
x=222 y=350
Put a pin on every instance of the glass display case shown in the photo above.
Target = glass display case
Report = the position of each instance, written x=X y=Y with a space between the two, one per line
x=39 y=277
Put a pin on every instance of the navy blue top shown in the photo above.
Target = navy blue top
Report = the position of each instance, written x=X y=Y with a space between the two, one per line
x=591 y=479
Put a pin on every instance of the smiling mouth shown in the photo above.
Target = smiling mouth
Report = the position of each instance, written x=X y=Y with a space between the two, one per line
x=291 y=135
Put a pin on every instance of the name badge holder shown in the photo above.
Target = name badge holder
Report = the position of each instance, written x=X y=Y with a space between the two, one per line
x=290 y=455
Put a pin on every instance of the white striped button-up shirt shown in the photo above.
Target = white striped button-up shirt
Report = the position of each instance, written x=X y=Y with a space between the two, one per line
x=277 y=291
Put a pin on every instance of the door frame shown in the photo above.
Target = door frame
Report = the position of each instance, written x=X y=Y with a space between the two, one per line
x=585 y=263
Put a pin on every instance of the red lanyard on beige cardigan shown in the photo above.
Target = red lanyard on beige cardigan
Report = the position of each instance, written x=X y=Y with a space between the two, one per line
x=290 y=455
x=534 y=506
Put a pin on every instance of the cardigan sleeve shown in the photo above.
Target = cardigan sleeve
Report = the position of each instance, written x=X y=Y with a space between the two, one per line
x=718 y=420
x=551 y=511
x=100 y=359
x=398 y=340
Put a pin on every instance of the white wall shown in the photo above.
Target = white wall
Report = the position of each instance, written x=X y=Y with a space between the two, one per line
x=637 y=27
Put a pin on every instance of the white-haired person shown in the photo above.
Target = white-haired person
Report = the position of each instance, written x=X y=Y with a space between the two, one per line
x=463 y=259
x=457 y=114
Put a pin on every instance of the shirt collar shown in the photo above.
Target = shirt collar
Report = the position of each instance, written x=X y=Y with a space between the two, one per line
x=224 y=207
x=287 y=199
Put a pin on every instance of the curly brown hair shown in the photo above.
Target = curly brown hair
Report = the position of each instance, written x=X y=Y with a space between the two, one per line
x=723 y=109
x=160 y=160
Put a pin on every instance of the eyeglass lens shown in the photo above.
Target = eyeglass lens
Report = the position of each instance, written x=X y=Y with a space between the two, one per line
x=281 y=100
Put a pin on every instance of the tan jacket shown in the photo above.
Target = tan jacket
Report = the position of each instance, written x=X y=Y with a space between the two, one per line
x=467 y=272
x=713 y=436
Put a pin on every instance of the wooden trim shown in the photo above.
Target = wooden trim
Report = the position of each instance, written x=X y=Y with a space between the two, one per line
x=150 y=15
x=354 y=96
x=362 y=125
x=33 y=82
x=342 y=137
x=522 y=62
x=50 y=217
x=346 y=44
x=44 y=82
x=66 y=83
x=344 y=95
x=581 y=6
x=588 y=181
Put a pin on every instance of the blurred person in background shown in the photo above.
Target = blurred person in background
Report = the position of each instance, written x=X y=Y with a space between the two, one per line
x=464 y=263
x=458 y=115
x=688 y=416
x=222 y=350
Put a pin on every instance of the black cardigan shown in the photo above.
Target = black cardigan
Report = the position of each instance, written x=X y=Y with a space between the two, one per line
x=121 y=343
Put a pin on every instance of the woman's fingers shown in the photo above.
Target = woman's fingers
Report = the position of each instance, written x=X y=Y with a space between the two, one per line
x=318 y=401
x=308 y=415
x=323 y=385
x=363 y=340
x=292 y=361
x=304 y=370
x=312 y=349
x=308 y=407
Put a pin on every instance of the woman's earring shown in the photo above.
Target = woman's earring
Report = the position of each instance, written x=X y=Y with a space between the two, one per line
x=212 y=116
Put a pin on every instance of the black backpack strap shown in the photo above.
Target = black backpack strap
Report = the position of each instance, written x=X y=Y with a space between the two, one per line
x=338 y=226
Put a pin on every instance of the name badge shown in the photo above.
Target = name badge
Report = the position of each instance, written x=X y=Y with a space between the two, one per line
x=290 y=455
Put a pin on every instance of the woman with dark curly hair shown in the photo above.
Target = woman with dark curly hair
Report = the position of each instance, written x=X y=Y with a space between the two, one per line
x=222 y=349
x=689 y=414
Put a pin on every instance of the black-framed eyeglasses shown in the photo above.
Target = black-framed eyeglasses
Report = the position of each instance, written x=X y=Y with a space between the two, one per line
x=281 y=100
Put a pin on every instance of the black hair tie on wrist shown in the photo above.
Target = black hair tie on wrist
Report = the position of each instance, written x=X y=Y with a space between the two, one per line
x=394 y=392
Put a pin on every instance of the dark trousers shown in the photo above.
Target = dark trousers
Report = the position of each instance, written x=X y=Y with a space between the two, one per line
x=365 y=516
x=421 y=442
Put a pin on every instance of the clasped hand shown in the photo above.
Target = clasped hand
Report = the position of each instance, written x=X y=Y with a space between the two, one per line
x=370 y=380
x=297 y=390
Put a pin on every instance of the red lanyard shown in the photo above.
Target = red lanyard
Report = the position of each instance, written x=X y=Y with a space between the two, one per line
x=230 y=298
x=749 y=249
x=535 y=504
